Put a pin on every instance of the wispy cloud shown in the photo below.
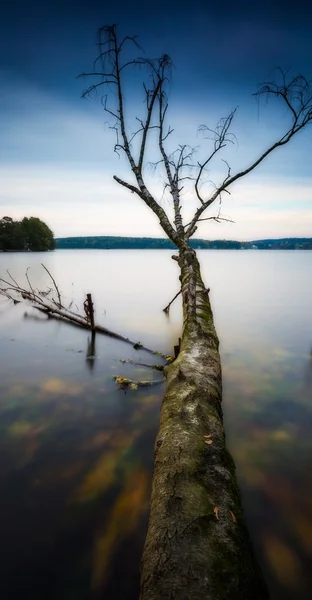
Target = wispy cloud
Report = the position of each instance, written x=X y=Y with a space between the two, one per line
x=57 y=163
x=89 y=202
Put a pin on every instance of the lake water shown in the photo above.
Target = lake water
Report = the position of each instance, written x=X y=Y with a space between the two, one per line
x=76 y=453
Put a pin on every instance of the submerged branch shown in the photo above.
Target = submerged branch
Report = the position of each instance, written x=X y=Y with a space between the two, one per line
x=41 y=301
x=128 y=361
x=125 y=383
x=167 y=308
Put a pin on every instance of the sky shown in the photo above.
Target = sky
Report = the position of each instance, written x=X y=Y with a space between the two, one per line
x=56 y=148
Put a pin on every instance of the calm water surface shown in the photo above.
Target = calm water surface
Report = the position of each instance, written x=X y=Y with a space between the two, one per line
x=76 y=453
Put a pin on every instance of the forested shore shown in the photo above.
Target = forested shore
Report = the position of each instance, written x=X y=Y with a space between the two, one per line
x=147 y=243
x=29 y=234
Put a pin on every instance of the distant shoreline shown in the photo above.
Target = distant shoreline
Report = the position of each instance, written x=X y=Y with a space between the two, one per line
x=128 y=243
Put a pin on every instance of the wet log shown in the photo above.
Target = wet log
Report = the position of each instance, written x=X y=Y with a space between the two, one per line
x=125 y=383
x=197 y=545
x=89 y=310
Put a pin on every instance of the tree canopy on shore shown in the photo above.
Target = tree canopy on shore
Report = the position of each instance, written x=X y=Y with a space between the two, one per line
x=28 y=234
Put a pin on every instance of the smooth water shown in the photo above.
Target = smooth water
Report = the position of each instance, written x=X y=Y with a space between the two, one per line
x=76 y=453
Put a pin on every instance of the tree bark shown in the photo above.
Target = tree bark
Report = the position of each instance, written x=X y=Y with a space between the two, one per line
x=197 y=545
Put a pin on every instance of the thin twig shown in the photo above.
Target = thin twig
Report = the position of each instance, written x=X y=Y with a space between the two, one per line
x=11 y=277
x=54 y=283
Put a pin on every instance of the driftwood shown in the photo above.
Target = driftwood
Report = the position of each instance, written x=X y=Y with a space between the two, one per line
x=125 y=383
x=54 y=308
x=89 y=310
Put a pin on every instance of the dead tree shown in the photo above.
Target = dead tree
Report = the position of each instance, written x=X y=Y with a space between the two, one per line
x=197 y=546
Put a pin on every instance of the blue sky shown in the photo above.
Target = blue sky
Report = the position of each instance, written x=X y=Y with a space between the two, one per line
x=56 y=158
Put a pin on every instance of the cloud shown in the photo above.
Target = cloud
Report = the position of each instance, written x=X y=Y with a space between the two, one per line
x=38 y=127
x=74 y=201
x=89 y=202
x=265 y=208
x=57 y=164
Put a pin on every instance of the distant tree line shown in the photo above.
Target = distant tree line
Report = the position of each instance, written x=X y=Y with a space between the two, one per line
x=28 y=234
x=145 y=243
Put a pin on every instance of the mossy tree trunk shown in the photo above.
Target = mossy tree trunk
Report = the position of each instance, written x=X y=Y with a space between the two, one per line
x=197 y=545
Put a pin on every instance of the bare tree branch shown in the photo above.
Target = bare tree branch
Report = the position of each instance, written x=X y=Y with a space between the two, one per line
x=167 y=308
x=221 y=136
x=146 y=127
x=127 y=185
x=295 y=92
x=173 y=182
x=55 y=285
x=297 y=95
x=217 y=219
x=107 y=38
x=143 y=193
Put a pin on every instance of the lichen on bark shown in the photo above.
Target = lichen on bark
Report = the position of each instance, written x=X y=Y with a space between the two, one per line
x=197 y=545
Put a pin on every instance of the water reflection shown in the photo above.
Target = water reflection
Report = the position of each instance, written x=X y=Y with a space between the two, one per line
x=123 y=521
x=83 y=477
x=308 y=377
x=91 y=354
x=76 y=453
x=271 y=443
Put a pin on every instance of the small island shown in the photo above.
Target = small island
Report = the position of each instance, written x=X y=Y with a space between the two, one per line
x=29 y=234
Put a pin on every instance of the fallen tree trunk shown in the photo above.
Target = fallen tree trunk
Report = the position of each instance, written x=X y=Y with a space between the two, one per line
x=197 y=545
